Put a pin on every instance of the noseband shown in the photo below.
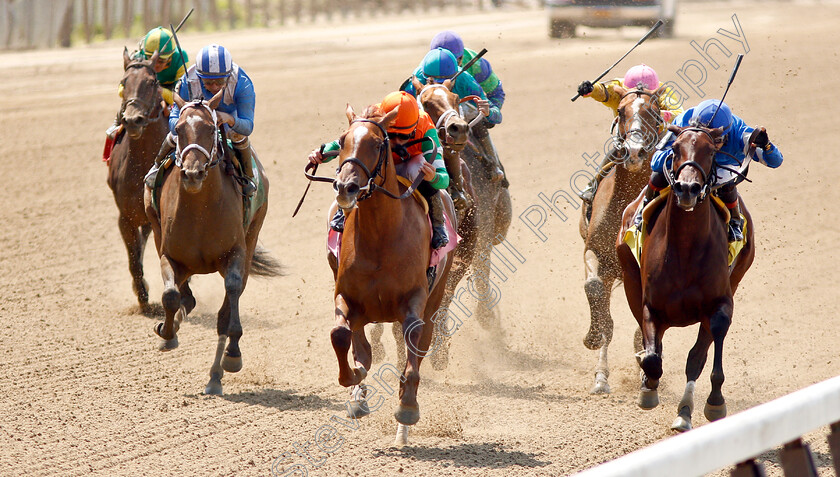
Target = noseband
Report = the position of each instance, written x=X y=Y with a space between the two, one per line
x=620 y=140
x=384 y=147
x=149 y=107
x=672 y=174
x=215 y=153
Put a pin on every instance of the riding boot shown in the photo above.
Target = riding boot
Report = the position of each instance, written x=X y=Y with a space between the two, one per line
x=735 y=231
x=491 y=155
x=337 y=222
x=243 y=147
x=588 y=193
x=165 y=149
x=456 y=181
x=439 y=237
x=650 y=194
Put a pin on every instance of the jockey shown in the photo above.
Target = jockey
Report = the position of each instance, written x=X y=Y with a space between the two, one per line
x=415 y=149
x=440 y=65
x=214 y=70
x=169 y=68
x=639 y=76
x=732 y=150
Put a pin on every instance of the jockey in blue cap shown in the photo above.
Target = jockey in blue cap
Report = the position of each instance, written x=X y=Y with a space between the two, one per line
x=732 y=150
x=440 y=65
x=213 y=71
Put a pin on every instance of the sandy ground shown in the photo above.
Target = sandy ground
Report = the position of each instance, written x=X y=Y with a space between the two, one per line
x=87 y=393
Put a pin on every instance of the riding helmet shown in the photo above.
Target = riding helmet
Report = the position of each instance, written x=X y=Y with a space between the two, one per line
x=448 y=40
x=213 y=61
x=407 y=115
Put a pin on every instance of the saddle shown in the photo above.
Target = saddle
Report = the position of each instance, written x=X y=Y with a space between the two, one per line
x=635 y=236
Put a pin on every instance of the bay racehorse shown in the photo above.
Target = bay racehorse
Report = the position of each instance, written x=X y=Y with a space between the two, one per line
x=203 y=228
x=683 y=276
x=380 y=275
x=636 y=131
x=144 y=118
x=442 y=106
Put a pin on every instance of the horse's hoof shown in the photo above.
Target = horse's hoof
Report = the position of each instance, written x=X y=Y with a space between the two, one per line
x=714 y=412
x=407 y=415
x=357 y=409
x=402 y=436
x=681 y=424
x=169 y=345
x=231 y=364
x=648 y=399
x=360 y=373
x=214 y=387
x=601 y=386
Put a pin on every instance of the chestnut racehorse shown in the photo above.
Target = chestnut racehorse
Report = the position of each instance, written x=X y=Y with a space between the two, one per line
x=684 y=277
x=380 y=275
x=201 y=229
x=144 y=119
x=442 y=106
x=639 y=124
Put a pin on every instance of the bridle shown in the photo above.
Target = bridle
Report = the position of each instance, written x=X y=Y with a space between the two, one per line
x=151 y=108
x=671 y=174
x=451 y=112
x=619 y=139
x=368 y=189
x=215 y=153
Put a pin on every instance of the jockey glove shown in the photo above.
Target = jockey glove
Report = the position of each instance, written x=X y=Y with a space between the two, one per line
x=759 y=137
x=585 y=88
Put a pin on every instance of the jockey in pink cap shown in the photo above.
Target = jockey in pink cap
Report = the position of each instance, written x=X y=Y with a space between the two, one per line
x=639 y=76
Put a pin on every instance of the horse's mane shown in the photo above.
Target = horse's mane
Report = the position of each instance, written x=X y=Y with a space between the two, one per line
x=373 y=112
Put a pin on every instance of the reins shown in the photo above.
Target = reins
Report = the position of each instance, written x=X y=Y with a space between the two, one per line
x=371 y=186
x=152 y=108
x=214 y=156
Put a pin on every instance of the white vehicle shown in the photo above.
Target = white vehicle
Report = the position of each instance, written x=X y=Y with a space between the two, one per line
x=565 y=15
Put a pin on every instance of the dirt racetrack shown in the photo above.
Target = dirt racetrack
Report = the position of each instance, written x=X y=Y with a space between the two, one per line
x=87 y=393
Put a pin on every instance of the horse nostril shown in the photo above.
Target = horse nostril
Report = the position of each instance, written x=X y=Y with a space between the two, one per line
x=678 y=187
x=352 y=189
x=695 y=189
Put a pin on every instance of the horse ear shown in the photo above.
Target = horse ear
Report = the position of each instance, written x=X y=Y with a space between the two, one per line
x=716 y=132
x=351 y=115
x=389 y=118
x=179 y=100
x=154 y=57
x=619 y=90
x=448 y=84
x=126 y=58
x=216 y=99
x=417 y=84
x=675 y=129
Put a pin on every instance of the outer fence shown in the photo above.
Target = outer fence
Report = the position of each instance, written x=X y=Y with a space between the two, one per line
x=48 y=23
x=740 y=438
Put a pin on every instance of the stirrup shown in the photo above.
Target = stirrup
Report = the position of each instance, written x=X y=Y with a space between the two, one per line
x=735 y=230
x=439 y=237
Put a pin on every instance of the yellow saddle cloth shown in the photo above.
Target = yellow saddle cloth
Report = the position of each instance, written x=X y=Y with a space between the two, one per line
x=635 y=236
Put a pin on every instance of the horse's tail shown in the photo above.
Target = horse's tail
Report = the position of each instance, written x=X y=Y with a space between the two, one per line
x=264 y=265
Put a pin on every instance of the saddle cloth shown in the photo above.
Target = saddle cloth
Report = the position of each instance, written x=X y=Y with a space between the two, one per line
x=635 y=236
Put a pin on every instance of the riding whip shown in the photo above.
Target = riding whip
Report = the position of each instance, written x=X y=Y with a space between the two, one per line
x=177 y=28
x=728 y=84
x=647 y=35
x=469 y=64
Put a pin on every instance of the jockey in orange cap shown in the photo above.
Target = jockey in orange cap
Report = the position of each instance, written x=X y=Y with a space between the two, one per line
x=415 y=149
x=639 y=76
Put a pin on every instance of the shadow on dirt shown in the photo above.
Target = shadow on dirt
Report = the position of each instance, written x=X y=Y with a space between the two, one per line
x=490 y=455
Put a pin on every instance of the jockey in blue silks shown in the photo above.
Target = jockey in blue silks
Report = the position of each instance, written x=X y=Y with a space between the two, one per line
x=214 y=70
x=732 y=150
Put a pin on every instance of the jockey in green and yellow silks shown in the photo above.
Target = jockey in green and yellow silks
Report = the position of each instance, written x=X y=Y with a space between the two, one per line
x=169 y=67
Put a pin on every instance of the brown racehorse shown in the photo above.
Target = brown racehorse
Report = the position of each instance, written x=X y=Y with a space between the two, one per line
x=684 y=277
x=380 y=275
x=639 y=123
x=144 y=119
x=200 y=230
x=442 y=106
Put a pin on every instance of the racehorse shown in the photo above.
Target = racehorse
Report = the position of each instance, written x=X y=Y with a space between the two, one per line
x=381 y=273
x=442 y=106
x=683 y=276
x=639 y=123
x=144 y=119
x=202 y=228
